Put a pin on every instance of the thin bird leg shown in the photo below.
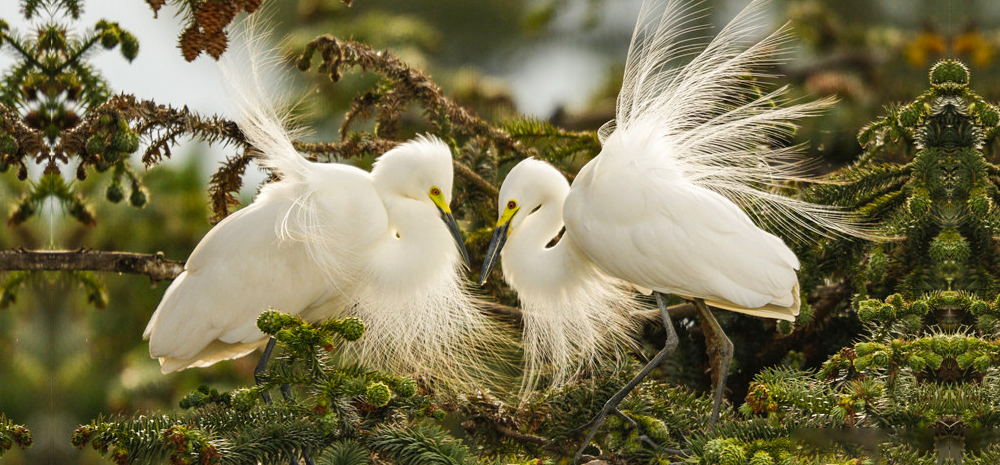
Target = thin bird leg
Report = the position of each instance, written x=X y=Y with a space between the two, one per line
x=306 y=457
x=262 y=368
x=612 y=404
x=259 y=371
x=725 y=347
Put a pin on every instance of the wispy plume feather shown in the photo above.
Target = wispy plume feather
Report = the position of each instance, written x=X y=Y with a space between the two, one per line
x=714 y=128
x=426 y=325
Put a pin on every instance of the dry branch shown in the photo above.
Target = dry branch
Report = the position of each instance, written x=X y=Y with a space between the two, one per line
x=411 y=81
x=155 y=266
x=355 y=147
x=519 y=436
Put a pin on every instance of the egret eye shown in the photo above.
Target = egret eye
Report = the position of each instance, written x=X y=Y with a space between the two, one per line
x=511 y=205
x=435 y=191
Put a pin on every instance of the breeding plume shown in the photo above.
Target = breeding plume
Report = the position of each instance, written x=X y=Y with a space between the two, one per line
x=660 y=206
x=328 y=240
x=573 y=315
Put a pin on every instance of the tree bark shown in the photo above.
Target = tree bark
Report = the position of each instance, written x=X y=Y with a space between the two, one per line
x=155 y=266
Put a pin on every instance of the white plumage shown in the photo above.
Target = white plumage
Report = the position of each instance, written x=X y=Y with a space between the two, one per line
x=660 y=207
x=659 y=231
x=329 y=240
x=573 y=315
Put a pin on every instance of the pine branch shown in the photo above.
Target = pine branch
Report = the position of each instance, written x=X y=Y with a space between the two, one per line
x=420 y=445
x=357 y=146
x=408 y=84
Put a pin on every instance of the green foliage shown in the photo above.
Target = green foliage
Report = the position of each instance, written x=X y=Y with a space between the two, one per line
x=419 y=445
x=345 y=452
x=928 y=360
x=49 y=90
x=937 y=206
x=52 y=186
x=922 y=364
x=336 y=413
x=660 y=419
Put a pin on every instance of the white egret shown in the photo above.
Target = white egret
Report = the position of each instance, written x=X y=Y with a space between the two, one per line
x=659 y=207
x=329 y=240
x=573 y=315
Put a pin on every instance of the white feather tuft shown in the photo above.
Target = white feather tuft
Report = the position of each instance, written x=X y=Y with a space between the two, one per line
x=709 y=125
x=259 y=86
x=436 y=329
x=587 y=326
x=574 y=316
x=259 y=89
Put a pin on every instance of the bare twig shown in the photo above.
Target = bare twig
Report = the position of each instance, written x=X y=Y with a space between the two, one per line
x=679 y=311
x=513 y=434
x=476 y=180
x=154 y=266
x=347 y=149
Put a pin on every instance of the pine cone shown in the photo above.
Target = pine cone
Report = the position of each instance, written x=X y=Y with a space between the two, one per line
x=192 y=42
x=213 y=17
x=216 y=44
x=155 y=5
x=248 y=6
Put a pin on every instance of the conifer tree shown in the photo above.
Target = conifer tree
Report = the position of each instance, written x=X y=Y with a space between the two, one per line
x=913 y=319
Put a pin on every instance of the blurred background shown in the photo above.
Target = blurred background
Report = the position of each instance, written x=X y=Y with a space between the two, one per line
x=71 y=349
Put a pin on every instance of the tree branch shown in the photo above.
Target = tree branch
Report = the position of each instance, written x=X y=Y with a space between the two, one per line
x=517 y=435
x=337 y=53
x=353 y=148
x=652 y=316
x=154 y=266
x=475 y=179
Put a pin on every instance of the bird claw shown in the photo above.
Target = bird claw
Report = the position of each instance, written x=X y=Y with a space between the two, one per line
x=596 y=423
x=599 y=419
x=579 y=429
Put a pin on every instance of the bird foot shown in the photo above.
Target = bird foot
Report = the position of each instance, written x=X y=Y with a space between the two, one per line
x=598 y=420
x=595 y=423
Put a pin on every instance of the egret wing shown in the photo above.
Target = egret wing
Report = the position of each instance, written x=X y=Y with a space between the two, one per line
x=269 y=254
x=657 y=231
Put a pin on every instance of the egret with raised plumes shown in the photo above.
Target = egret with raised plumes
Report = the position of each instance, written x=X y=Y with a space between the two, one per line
x=659 y=208
x=328 y=240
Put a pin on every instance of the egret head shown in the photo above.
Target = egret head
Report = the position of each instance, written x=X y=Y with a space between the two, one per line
x=529 y=185
x=421 y=169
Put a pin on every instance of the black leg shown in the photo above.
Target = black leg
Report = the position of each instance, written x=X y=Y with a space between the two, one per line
x=612 y=405
x=286 y=390
x=262 y=368
x=725 y=347
x=306 y=457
